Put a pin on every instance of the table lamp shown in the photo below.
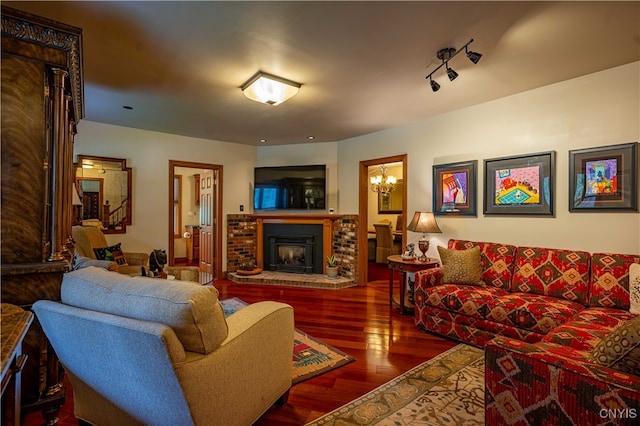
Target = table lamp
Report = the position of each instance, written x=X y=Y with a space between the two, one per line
x=424 y=222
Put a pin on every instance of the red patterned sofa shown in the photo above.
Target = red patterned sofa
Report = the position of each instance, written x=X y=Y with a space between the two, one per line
x=541 y=314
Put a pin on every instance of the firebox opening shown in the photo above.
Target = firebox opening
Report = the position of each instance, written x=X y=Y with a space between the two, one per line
x=293 y=248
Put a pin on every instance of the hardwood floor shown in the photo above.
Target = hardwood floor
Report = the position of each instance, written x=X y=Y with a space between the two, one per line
x=356 y=320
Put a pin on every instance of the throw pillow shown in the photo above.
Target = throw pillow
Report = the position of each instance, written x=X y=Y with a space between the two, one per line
x=620 y=349
x=118 y=257
x=634 y=288
x=461 y=266
x=112 y=253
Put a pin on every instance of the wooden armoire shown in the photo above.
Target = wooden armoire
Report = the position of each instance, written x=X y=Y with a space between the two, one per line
x=42 y=100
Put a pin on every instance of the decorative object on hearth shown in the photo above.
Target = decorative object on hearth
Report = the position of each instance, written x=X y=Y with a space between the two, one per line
x=157 y=260
x=447 y=389
x=424 y=222
x=269 y=89
x=383 y=182
x=249 y=267
x=332 y=267
x=446 y=55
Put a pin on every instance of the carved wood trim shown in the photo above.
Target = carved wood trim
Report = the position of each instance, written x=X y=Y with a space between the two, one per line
x=37 y=30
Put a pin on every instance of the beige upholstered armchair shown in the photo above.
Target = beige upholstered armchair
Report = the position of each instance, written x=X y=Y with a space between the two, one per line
x=88 y=238
x=148 y=351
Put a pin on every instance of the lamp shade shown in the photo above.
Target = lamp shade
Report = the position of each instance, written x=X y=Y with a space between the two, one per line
x=424 y=222
x=75 y=197
x=269 y=89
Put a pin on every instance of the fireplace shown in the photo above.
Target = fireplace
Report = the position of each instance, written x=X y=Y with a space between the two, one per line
x=291 y=253
x=293 y=248
x=247 y=238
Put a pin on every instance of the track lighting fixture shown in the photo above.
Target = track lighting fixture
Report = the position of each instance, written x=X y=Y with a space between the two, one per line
x=473 y=56
x=447 y=54
x=434 y=85
x=451 y=73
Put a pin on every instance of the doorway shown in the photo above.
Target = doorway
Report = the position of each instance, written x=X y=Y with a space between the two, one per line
x=363 y=208
x=196 y=188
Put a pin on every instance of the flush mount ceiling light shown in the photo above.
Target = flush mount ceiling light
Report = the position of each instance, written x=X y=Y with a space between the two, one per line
x=269 y=89
x=447 y=54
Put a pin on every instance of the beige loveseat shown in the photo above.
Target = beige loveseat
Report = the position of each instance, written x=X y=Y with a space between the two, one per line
x=88 y=238
x=141 y=350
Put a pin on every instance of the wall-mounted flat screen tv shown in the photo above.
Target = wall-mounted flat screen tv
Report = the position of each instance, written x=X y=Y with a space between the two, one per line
x=290 y=187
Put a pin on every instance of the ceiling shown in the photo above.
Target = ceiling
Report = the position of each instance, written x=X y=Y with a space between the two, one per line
x=362 y=65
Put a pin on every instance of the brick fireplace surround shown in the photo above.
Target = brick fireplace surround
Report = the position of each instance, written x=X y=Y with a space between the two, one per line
x=340 y=238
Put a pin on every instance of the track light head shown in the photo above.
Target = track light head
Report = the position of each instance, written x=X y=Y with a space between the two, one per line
x=473 y=56
x=452 y=74
x=434 y=85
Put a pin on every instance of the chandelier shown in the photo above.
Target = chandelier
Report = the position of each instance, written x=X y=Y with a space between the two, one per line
x=383 y=183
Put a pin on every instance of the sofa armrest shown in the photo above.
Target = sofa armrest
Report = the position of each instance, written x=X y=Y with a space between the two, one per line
x=137 y=259
x=428 y=277
x=248 y=372
x=80 y=262
x=525 y=384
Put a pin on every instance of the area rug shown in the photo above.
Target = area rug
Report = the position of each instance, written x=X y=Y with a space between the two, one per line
x=311 y=357
x=446 y=390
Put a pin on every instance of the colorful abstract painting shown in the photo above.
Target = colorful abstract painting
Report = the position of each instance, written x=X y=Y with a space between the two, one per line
x=520 y=185
x=454 y=191
x=601 y=177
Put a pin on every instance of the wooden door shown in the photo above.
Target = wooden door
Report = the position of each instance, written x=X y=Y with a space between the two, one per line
x=207 y=221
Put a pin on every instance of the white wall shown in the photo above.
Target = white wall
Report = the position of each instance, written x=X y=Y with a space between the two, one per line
x=148 y=154
x=595 y=110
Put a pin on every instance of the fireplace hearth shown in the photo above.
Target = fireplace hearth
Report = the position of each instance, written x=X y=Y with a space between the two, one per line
x=291 y=253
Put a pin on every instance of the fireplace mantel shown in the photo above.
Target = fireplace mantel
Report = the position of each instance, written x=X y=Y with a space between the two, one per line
x=296 y=217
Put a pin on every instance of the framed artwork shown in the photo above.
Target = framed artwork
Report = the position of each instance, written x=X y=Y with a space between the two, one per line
x=521 y=185
x=604 y=178
x=454 y=189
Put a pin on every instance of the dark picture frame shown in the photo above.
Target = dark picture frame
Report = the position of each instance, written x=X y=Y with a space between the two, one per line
x=455 y=189
x=604 y=179
x=520 y=185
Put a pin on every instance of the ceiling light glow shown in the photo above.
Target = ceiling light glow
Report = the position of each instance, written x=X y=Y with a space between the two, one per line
x=269 y=89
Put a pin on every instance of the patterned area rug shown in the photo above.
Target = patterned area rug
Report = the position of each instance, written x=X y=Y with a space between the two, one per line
x=311 y=357
x=446 y=390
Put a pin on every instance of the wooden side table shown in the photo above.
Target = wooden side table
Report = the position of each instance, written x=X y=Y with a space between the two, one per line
x=15 y=323
x=397 y=263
